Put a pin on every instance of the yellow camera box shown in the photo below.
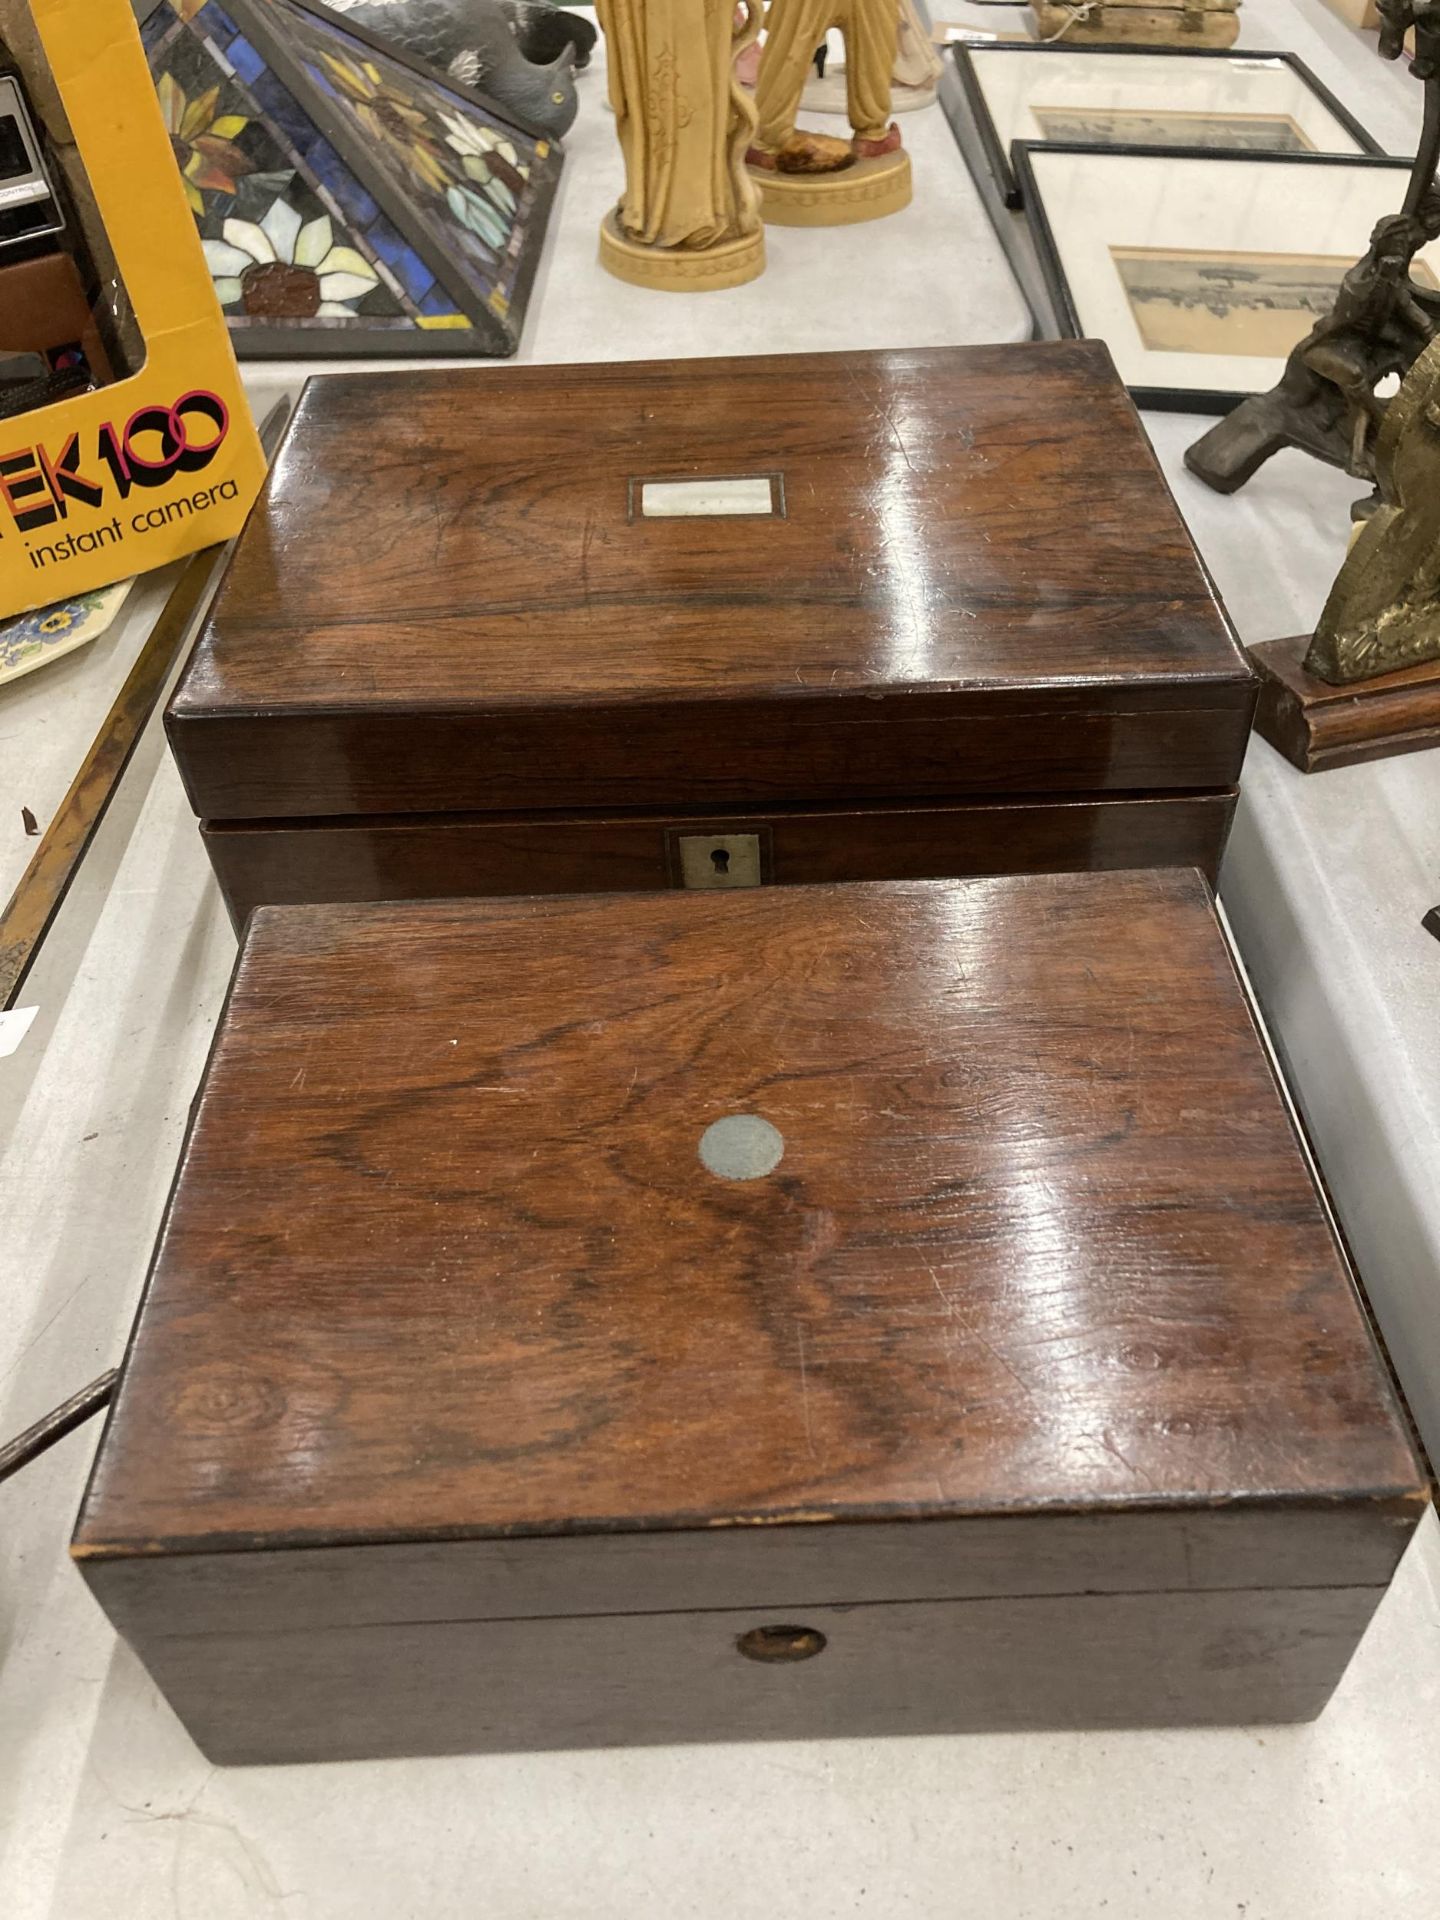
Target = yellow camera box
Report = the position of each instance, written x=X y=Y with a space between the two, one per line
x=164 y=457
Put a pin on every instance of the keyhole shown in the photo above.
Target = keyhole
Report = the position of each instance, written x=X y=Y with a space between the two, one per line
x=720 y=859
x=773 y=1644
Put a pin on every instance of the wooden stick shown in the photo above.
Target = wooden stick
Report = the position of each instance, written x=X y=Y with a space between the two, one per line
x=53 y=1426
x=45 y=882
x=37 y=899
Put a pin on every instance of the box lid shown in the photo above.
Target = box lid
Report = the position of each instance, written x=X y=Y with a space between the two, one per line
x=526 y=1253
x=709 y=582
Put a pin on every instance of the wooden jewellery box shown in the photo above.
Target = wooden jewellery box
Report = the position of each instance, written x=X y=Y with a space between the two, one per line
x=689 y=1316
x=826 y=617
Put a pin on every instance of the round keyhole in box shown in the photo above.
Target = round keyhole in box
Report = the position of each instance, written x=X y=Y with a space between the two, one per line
x=781 y=1643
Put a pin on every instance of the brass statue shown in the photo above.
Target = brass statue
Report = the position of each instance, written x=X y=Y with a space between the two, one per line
x=812 y=179
x=1397 y=18
x=689 y=218
x=1326 y=402
x=1384 y=609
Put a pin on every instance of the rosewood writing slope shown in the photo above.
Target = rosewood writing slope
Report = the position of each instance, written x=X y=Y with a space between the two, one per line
x=863 y=1309
x=844 y=616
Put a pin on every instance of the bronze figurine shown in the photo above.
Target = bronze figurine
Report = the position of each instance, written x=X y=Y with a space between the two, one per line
x=1384 y=609
x=1366 y=684
x=1326 y=402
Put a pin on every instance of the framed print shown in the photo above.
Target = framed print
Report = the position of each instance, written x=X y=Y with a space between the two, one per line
x=349 y=199
x=1009 y=225
x=1148 y=97
x=1202 y=270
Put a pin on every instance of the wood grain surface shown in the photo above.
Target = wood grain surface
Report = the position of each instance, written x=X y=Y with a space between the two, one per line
x=444 y=600
x=443 y=1260
x=1317 y=726
x=438 y=856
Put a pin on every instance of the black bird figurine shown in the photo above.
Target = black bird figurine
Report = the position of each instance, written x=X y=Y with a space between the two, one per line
x=545 y=30
x=491 y=45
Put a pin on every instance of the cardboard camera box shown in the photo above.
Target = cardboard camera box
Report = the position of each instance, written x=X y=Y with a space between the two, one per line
x=125 y=436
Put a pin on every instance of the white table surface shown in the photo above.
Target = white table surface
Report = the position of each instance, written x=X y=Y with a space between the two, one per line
x=105 y=1807
x=49 y=716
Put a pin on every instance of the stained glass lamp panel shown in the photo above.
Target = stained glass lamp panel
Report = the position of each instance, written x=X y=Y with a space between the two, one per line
x=349 y=200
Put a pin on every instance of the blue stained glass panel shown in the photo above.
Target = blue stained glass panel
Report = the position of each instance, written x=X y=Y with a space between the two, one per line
x=245 y=60
x=218 y=21
x=330 y=168
x=407 y=263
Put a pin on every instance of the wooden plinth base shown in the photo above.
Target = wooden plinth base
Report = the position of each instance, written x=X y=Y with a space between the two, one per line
x=681 y=270
x=1317 y=726
x=1123 y=22
x=867 y=191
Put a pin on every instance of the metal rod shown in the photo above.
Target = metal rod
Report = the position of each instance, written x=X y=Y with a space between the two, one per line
x=1427 y=157
x=45 y=882
x=38 y=898
x=53 y=1426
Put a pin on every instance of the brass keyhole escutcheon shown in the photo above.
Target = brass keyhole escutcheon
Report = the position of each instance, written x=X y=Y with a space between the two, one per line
x=775 y=1644
x=718 y=859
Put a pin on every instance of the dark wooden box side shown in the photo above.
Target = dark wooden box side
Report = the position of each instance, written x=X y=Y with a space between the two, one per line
x=791 y=752
x=274 y=863
x=1079 y=1661
x=1127 y=1549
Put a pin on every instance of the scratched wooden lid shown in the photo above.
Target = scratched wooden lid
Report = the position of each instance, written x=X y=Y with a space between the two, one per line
x=596 y=1216
x=774 y=580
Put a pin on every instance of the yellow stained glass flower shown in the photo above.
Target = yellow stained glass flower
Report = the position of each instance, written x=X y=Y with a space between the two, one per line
x=391 y=118
x=202 y=141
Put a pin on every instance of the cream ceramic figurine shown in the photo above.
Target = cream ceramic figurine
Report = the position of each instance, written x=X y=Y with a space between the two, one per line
x=811 y=179
x=689 y=217
x=917 y=71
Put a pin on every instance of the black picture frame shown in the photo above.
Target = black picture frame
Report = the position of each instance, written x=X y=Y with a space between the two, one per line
x=1163 y=399
x=490 y=337
x=997 y=159
x=1008 y=226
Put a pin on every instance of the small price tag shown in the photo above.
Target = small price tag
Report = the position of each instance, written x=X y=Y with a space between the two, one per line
x=14 y=1026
